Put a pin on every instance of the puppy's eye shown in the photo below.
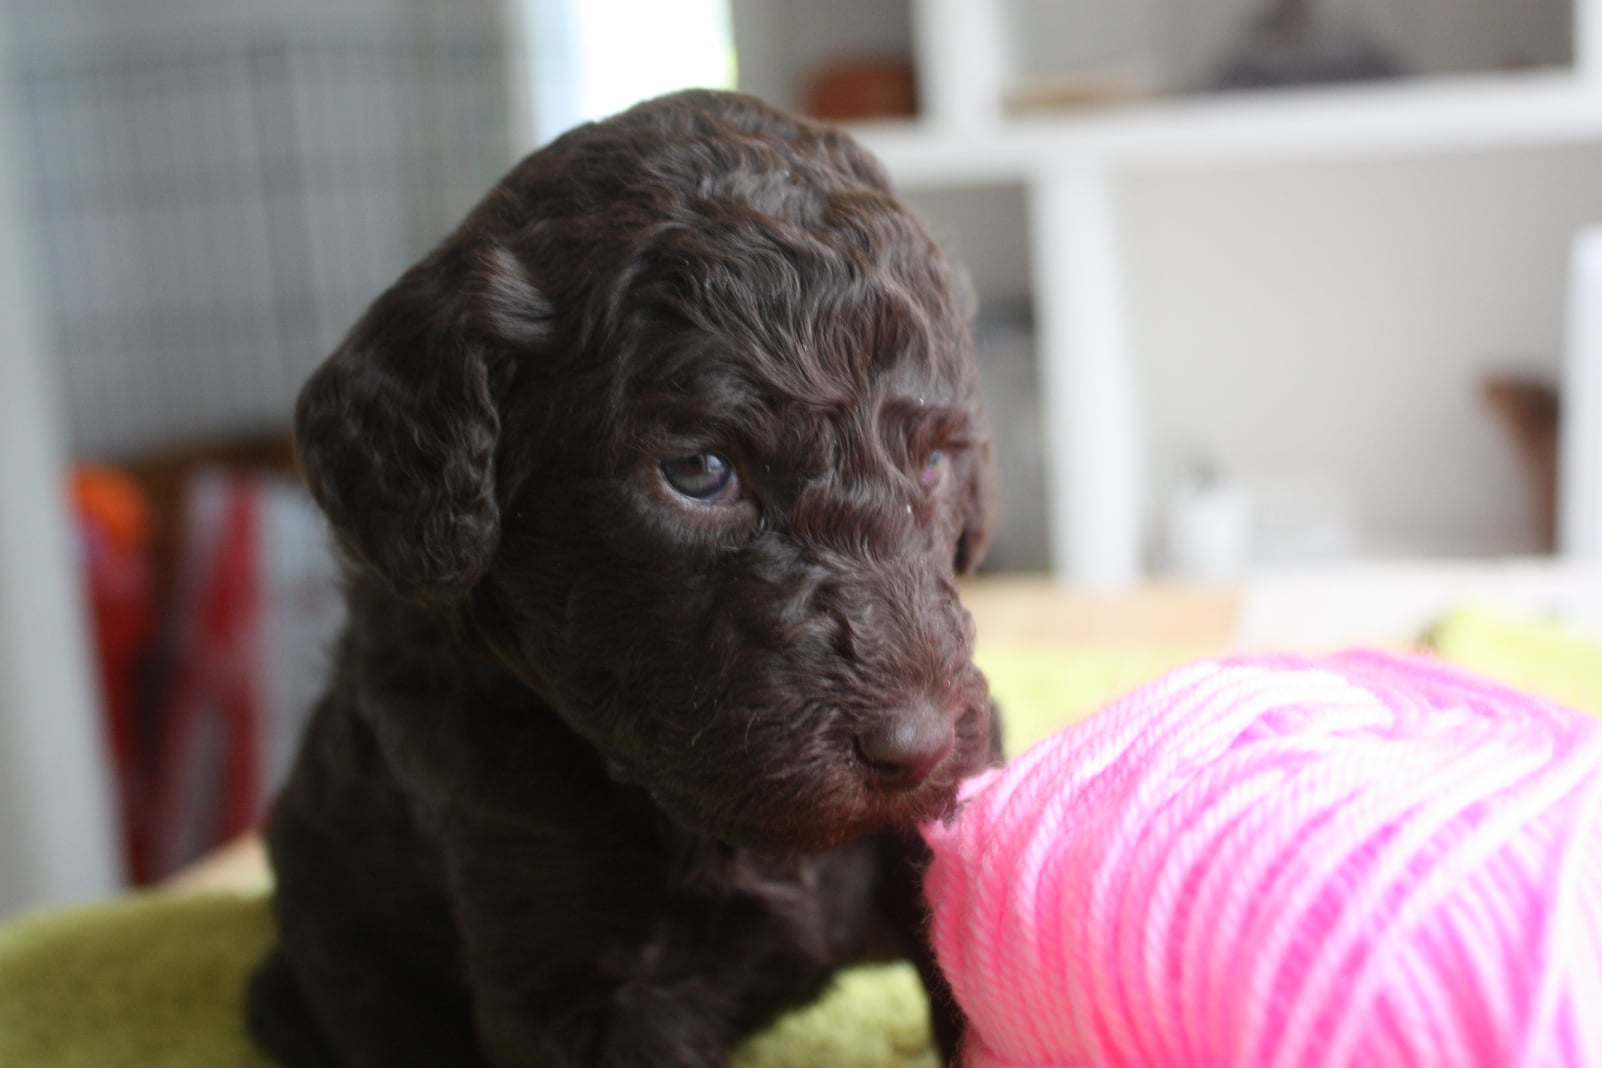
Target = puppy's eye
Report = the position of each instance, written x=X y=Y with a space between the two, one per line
x=706 y=477
x=933 y=470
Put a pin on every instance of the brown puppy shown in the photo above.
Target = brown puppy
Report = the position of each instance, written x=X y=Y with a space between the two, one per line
x=653 y=480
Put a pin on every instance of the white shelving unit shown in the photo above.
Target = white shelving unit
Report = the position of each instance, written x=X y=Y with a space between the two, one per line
x=1581 y=489
x=1071 y=166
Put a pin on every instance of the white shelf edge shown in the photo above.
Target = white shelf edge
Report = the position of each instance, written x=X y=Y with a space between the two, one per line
x=1488 y=112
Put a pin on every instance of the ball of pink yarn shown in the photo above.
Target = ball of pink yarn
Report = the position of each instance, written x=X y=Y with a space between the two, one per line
x=1365 y=860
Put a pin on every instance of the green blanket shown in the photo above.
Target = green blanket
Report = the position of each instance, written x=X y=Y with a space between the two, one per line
x=156 y=981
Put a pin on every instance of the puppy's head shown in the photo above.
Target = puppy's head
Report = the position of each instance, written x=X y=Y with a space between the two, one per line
x=684 y=422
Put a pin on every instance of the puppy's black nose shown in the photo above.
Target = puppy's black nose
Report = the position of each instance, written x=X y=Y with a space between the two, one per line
x=908 y=745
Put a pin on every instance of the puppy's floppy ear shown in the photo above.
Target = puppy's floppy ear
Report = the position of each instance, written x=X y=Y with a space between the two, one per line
x=976 y=508
x=396 y=432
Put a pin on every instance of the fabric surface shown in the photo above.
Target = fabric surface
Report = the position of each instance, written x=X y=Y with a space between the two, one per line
x=1539 y=655
x=157 y=981
x=151 y=980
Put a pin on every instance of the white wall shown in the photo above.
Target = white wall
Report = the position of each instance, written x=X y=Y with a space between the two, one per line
x=1334 y=322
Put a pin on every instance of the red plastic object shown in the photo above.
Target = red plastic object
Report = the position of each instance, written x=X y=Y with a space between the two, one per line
x=210 y=763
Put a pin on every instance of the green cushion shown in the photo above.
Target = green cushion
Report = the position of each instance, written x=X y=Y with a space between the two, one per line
x=158 y=980
x=1041 y=688
x=1539 y=655
x=152 y=980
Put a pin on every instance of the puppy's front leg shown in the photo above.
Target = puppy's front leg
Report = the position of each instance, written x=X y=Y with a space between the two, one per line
x=588 y=1027
x=564 y=971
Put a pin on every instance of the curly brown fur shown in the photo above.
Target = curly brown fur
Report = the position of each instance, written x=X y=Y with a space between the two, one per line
x=607 y=775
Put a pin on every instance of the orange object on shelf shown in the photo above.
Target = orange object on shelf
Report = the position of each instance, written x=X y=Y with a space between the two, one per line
x=114 y=527
x=863 y=89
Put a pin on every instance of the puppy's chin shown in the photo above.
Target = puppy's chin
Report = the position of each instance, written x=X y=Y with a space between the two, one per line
x=817 y=812
x=826 y=831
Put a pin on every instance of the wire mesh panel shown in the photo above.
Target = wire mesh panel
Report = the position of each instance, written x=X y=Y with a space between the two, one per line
x=213 y=213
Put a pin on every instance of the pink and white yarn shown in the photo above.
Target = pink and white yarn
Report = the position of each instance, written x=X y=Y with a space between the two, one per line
x=1365 y=860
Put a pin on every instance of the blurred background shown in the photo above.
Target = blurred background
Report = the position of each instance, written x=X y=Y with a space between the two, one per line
x=1264 y=284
